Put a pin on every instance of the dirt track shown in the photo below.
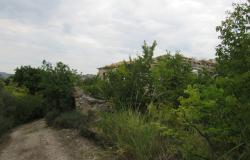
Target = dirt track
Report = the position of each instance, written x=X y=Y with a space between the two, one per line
x=36 y=141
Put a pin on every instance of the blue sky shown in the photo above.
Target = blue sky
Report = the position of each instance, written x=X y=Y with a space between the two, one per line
x=87 y=34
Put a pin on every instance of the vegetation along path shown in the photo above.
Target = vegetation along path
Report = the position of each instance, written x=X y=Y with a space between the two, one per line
x=36 y=141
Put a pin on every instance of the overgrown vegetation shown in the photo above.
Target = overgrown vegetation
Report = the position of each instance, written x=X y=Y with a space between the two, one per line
x=204 y=116
x=134 y=136
x=95 y=87
x=28 y=77
x=71 y=119
x=18 y=107
x=58 y=86
x=162 y=109
x=34 y=92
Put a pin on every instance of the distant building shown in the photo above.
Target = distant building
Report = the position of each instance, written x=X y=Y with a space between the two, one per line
x=102 y=71
x=197 y=65
x=87 y=76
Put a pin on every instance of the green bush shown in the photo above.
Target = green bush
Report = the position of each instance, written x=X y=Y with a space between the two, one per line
x=70 y=120
x=171 y=74
x=51 y=116
x=17 y=107
x=28 y=108
x=58 y=84
x=95 y=87
x=28 y=77
x=5 y=124
x=131 y=83
x=86 y=132
x=133 y=136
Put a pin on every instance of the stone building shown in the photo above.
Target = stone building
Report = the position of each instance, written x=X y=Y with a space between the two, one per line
x=102 y=71
x=197 y=65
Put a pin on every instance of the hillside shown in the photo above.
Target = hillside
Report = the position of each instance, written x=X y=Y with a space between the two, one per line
x=4 y=75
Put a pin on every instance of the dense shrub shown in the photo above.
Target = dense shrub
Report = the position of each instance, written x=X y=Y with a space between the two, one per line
x=58 y=86
x=171 y=74
x=28 y=77
x=70 y=120
x=39 y=90
x=133 y=136
x=131 y=83
x=226 y=136
x=95 y=87
x=200 y=117
x=85 y=131
x=28 y=108
x=22 y=108
x=18 y=107
x=51 y=116
x=5 y=125
x=169 y=113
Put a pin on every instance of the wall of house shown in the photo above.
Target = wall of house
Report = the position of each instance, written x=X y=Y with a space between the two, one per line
x=197 y=65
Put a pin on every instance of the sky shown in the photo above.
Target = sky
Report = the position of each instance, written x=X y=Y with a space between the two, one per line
x=87 y=34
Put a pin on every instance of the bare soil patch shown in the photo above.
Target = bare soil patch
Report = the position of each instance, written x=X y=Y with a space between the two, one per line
x=36 y=141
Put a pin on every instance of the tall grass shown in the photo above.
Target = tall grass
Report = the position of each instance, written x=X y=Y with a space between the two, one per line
x=132 y=135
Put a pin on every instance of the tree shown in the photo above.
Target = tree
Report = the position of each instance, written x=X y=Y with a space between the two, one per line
x=233 y=54
x=131 y=84
x=28 y=77
x=220 y=112
x=58 y=86
x=171 y=76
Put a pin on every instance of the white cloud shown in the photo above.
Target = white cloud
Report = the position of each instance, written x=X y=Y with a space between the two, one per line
x=87 y=34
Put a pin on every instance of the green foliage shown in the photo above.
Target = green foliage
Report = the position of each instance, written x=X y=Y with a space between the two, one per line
x=1 y=84
x=95 y=87
x=131 y=83
x=218 y=120
x=169 y=113
x=133 y=136
x=18 y=108
x=183 y=139
x=210 y=117
x=85 y=131
x=28 y=77
x=71 y=119
x=51 y=116
x=136 y=83
x=53 y=85
x=171 y=76
x=58 y=86
x=30 y=108
x=5 y=125
x=193 y=127
x=233 y=54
